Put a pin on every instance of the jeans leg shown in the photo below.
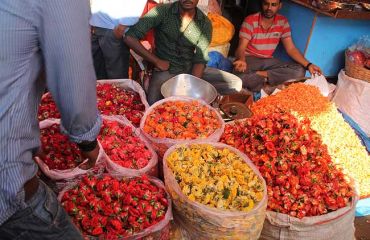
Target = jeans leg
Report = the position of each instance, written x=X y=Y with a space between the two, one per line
x=116 y=56
x=43 y=218
x=224 y=82
x=155 y=84
x=98 y=57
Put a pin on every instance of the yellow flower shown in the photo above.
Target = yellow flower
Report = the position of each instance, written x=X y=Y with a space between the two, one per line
x=215 y=177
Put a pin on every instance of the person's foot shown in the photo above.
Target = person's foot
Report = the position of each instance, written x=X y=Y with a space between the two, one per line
x=267 y=88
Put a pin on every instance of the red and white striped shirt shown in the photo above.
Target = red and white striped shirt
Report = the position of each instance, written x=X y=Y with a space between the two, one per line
x=263 y=42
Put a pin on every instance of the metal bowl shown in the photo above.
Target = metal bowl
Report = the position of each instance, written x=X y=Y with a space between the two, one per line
x=189 y=86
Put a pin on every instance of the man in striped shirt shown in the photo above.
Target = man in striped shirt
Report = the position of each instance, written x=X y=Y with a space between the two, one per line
x=258 y=38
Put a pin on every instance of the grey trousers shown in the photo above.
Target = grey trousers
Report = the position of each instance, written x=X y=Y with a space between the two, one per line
x=277 y=71
x=224 y=82
x=111 y=55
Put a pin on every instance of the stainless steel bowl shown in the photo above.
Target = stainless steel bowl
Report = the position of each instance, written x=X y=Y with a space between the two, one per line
x=190 y=86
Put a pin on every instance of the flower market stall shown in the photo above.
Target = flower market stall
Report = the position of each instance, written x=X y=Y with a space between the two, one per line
x=295 y=169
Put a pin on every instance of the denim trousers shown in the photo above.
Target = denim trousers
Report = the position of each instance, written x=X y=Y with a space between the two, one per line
x=42 y=218
x=111 y=55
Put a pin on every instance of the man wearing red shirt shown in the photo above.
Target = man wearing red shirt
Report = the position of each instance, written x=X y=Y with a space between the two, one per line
x=258 y=38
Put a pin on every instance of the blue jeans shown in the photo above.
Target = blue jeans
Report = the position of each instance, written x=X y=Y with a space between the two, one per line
x=42 y=218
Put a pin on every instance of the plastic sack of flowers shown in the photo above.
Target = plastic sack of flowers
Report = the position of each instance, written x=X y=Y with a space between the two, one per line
x=216 y=190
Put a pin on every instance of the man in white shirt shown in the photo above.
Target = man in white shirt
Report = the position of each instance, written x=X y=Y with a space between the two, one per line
x=109 y=21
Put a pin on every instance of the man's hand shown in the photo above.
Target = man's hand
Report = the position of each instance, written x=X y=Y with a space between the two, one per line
x=92 y=157
x=162 y=65
x=240 y=65
x=313 y=69
x=119 y=30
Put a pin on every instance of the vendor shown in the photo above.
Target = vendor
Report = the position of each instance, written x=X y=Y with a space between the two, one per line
x=182 y=37
x=258 y=38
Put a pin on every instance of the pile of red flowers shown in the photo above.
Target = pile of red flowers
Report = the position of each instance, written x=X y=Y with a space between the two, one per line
x=60 y=153
x=300 y=176
x=123 y=146
x=112 y=208
x=47 y=108
x=113 y=100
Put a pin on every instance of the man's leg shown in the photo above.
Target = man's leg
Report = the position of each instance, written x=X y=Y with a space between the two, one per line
x=276 y=70
x=224 y=82
x=155 y=84
x=43 y=218
x=279 y=72
x=98 y=56
x=116 y=55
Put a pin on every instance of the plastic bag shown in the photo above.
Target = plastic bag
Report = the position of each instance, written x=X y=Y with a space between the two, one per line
x=222 y=29
x=162 y=144
x=160 y=230
x=363 y=207
x=203 y=222
x=128 y=84
x=150 y=169
x=352 y=97
x=359 y=52
x=217 y=60
x=68 y=173
x=338 y=225
x=320 y=82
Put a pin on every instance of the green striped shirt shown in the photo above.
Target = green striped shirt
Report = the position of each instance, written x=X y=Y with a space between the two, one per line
x=181 y=48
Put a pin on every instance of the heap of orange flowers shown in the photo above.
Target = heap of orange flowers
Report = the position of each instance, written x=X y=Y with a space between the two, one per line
x=182 y=120
x=302 y=98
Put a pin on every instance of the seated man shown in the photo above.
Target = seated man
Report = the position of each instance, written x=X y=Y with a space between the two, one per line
x=258 y=38
x=182 y=35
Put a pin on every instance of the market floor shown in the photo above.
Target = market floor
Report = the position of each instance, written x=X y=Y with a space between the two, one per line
x=362 y=225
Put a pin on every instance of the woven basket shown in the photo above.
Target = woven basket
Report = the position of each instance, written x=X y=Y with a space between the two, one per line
x=356 y=71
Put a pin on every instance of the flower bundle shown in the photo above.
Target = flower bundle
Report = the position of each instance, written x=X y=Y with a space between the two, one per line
x=343 y=144
x=215 y=177
x=60 y=153
x=122 y=146
x=181 y=120
x=110 y=208
x=300 y=176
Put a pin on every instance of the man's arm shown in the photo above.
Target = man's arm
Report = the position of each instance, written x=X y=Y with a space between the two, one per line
x=65 y=44
x=240 y=64
x=198 y=70
x=152 y=19
x=297 y=56
x=135 y=45
x=200 y=57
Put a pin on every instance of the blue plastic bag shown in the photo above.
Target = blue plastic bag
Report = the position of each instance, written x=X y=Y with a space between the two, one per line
x=363 y=207
x=217 y=60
